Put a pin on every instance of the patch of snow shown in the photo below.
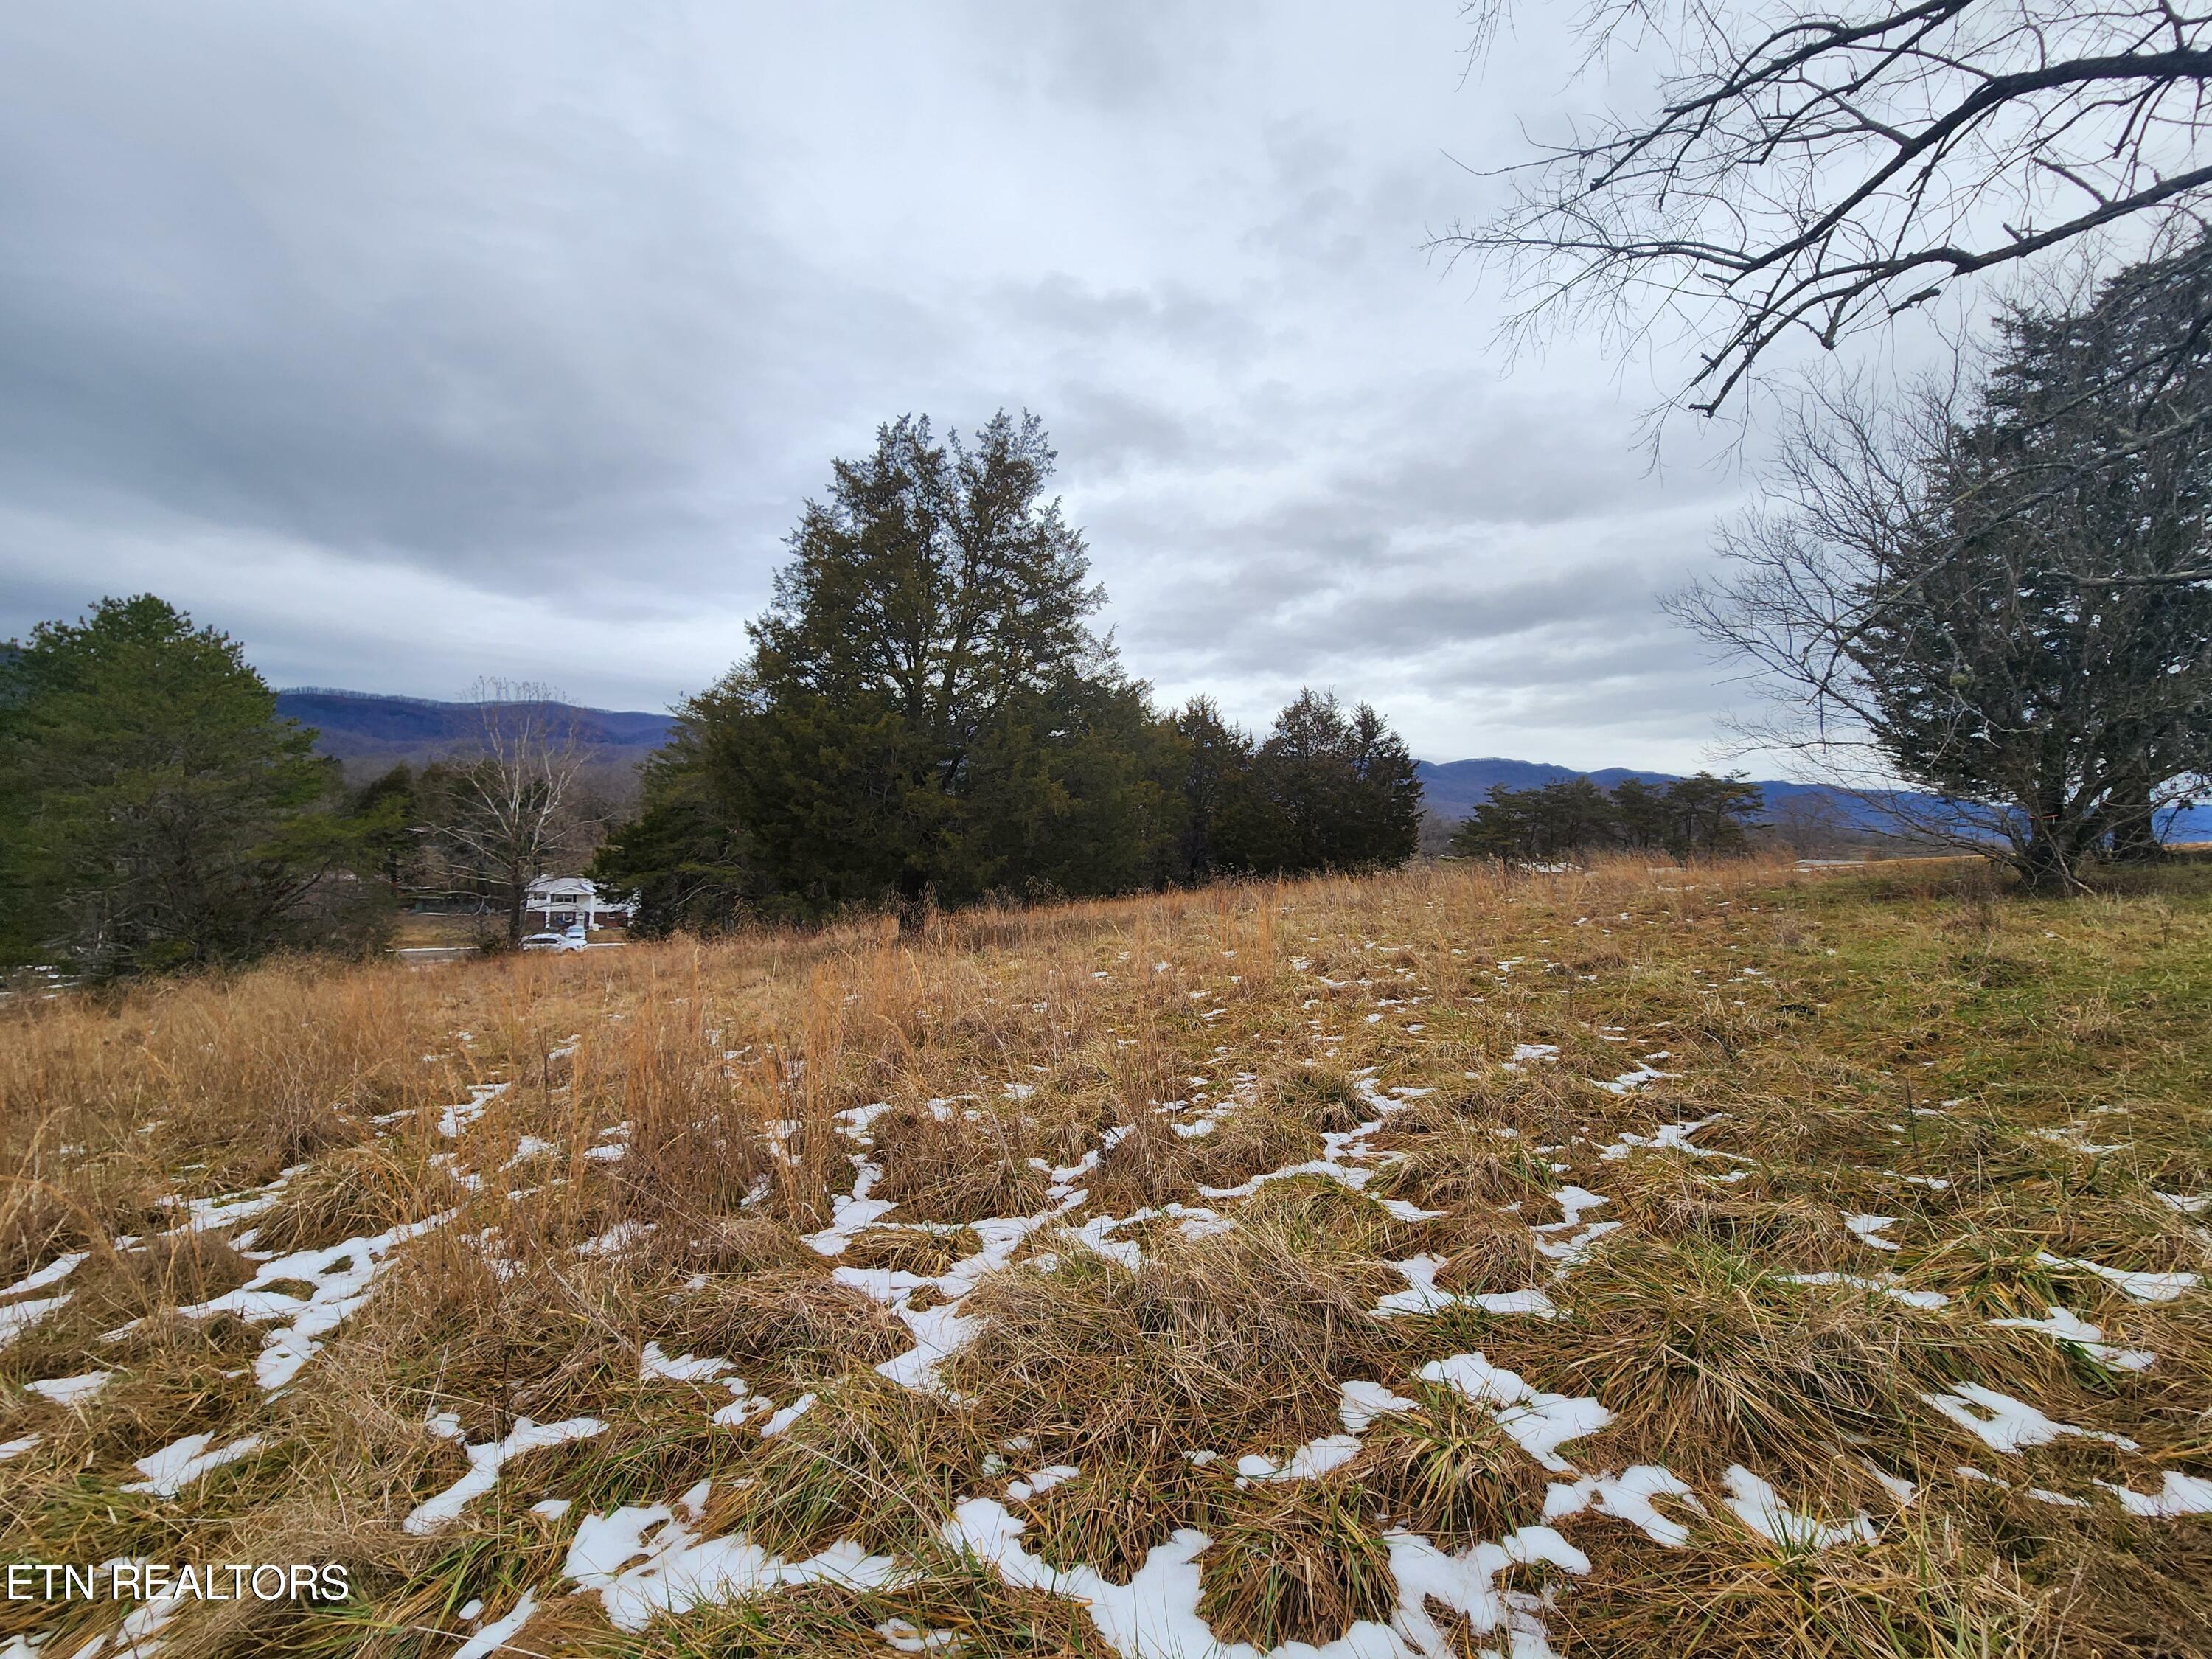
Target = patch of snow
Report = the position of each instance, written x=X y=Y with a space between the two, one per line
x=1155 y=1615
x=456 y=1119
x=16 y=1317
x=787 y=1416
x=850 y=1213
x=1887 y=1284
x=2182 y=1494
x=1668 y=1137
x=68 y=1391
x=680 y=1569
x=486 y=1461
x=1568 y=1251
x=1868 y=1229
x=654 y=1362
x=1539 y=1422
x=1758 y=1506
x=1423 y=1296
x=2006 y=1425
x=52 y=1274
x=492 y=1638
x=1626 y=1496
x=2138 y=1286
x=1043 y=1481
x=2069 y=1329
x=173 y=1467
x=617 y=1238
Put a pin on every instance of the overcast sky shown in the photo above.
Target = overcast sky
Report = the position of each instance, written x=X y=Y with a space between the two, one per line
x=413 y=343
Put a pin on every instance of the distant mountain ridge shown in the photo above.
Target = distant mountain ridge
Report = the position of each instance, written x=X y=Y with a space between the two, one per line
x=369 y=732
x=1453 y=789
x=1456 y=788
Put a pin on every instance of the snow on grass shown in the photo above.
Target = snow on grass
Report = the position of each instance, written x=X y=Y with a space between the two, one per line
x=493 y=1637
x=1756 y=1503
x=1626 y=1496
x=906 y=1636
x=1538 y=1422
x=1154 y=1614
x=1423 y=1296
x=849 y=1213
x=644 y=1559
x=1037 y=1485
x=1666 y=1138
x=787 y=1416
x=2069 y=1329
x=1568 y=1251
x=2182 y=1494
x=136 y=1638
x=1360 y=1403
x=342 y=1277
x=486 y=1461
x=205 y=1214
x=70 y=1390
x=655 y=1363
x=618 y=1238
x=528 y=1147
x=456 y=1119
x=1628 y=1082
x=16 y=1447
x=52 y=1274
x=16 y=1317
x=2137 y=1286
x=1887 y=1284
x=173 y=1467
x=2006 y=1425
x=941 y=1331
x=1867 y=1230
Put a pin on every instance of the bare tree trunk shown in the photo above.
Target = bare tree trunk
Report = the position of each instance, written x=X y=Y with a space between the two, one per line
x=2134 y=817
x=514 y=813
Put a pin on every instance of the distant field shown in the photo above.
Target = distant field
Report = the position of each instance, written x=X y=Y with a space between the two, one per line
x=1730 y=1262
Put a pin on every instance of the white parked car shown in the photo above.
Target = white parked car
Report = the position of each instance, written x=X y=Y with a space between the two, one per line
x=571 y=940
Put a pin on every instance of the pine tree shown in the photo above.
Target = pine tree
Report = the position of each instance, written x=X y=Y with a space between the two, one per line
x=1327 y=791
x=925 y=712
x=158 y=813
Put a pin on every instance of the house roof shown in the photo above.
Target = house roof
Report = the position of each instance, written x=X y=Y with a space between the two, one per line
x=562 y=887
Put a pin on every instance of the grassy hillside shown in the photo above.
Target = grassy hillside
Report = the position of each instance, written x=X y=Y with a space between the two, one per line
x=1721 y=1261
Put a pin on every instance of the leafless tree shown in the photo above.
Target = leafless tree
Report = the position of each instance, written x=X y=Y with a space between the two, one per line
x=513 y=800
x=1813 y=169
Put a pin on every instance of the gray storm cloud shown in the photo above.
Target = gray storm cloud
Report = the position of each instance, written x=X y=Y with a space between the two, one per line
x=411 y=343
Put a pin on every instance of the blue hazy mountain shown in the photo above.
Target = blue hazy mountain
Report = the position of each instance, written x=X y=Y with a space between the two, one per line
x=367 y=732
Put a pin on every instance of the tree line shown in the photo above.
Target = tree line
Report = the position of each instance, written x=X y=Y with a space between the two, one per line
x=1700 y=816
x=926 y=716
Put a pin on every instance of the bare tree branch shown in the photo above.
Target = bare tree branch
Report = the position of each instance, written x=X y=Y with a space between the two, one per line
x=1817 y=172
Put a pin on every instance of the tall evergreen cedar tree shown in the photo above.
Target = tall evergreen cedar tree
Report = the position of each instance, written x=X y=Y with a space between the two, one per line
x=158 y=812
x=926 y=716
x=2045 y=643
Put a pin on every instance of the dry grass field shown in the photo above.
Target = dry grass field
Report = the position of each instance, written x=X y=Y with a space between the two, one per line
x=1714 y=1261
